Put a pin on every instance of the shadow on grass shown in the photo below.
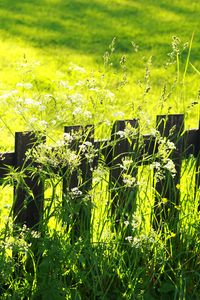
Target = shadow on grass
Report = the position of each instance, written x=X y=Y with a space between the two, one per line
x=89 y=26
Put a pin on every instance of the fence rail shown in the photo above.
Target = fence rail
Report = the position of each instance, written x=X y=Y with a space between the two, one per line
x=113 y=150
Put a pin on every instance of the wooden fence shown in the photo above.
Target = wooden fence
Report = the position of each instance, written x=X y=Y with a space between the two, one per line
x=28 y=209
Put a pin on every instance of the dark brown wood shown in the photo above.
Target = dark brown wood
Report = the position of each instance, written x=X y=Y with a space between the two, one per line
x=29 y=193
x=190 y=146
x=80 y=204
x=123 y=197
x=190 y=143
x=168 y=191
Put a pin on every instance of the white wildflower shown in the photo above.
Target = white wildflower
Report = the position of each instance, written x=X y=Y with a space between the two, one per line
x=130 y=132
x=118 y=114
x=129 y=238
x=170 y=166
x=48 y=96
x=80 y=83
x=155 y=165
x=170 y=145
x=9 y=94
x=60 y=143
x=94 y=89
x=88 y=150
x=136 y=242
x=35 y=234
x=75 y=192
x=120 y=133
x=77 y=68
x=129 y=180
x=65 y=84
x=77 y=111
x=126 y=223
x=76 y=98
x=43 y=123
x=25 y=85
x=42 y=108
x=98 y=174
x=53 y=122
x=155 y=132
x=30 y=101
x=33 y=120
x=68 y=137
x=126 y=163
x=136 y=221
x=107 y=122
x=87 y=114
x=110 y=95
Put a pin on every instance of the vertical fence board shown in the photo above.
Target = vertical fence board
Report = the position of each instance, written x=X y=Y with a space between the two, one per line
x=28 y=205
x=171 y=127
x=81 y=204
x=123 y=198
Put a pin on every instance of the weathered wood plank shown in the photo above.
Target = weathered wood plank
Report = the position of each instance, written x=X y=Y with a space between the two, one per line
x=76 y=186
x=170 y=127
x=29 y=194
x=123 y=196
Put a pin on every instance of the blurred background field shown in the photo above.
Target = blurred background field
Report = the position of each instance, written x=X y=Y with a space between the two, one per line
x=58 y=46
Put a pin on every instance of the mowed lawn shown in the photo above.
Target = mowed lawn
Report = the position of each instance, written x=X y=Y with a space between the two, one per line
x=56 y=33
x=70 y=29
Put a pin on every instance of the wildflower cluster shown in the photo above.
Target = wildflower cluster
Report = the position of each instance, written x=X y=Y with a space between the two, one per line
x=178 y=48
x=99 y=174
x=128 y=133
x=77 y=96
x=163 y=162
x=58 y=156
x=127 y=166
x=87 y=149
x=140 y=239
x=20 y=242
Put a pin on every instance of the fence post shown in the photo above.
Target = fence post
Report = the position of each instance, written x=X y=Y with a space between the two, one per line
x=79 y=208
x=168 y=192
x=28 y=197
x=123 y=196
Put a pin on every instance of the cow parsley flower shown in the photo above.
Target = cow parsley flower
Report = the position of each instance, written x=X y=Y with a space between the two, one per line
x=126 y=163
x=25 y=85
x=129 y=180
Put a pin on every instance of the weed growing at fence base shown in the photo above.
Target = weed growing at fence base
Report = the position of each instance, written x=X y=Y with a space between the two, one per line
x=121 y=254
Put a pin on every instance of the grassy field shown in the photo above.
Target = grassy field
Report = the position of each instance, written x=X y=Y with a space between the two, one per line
x=40 y=40
x=92 y=62
x=76 y=30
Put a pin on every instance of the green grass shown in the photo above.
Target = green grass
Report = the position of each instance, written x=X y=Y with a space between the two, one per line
x=55 y=34
x=59 y=32
x=70 y=29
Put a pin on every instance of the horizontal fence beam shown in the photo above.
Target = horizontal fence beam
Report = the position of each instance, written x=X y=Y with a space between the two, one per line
x=190 y=140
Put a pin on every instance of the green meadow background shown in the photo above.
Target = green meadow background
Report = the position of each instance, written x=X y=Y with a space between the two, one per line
x=64 y=31
x=50 y=35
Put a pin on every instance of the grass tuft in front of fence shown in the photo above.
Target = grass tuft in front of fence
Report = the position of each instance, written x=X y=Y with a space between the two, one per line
x=103 y=219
